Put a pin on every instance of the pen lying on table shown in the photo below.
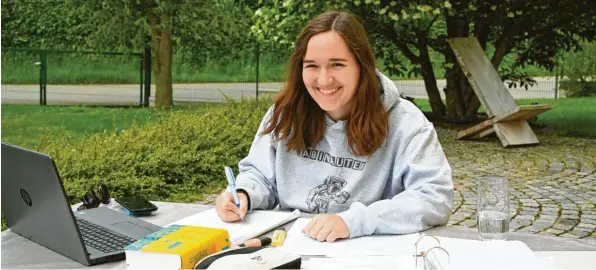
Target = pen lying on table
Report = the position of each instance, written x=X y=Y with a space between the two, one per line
x=278 y=239
x=257 y=242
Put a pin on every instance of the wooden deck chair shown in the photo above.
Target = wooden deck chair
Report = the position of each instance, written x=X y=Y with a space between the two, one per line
x=507 y=119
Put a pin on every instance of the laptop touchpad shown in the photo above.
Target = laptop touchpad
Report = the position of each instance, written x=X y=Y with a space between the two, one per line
x=130 y=228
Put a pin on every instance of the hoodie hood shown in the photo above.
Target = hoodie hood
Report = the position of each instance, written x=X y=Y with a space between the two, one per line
x=390 y=96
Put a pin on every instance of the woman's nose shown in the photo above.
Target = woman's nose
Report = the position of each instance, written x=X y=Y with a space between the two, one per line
x=324 y=79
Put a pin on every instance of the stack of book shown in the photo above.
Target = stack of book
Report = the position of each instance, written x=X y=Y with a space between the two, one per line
x=176 y=247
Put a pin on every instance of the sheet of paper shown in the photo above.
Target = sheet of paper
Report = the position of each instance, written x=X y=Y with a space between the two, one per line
x=254 y=224
x=376 y=245
x=363 y=262
x=465 y=253
x=568 y=259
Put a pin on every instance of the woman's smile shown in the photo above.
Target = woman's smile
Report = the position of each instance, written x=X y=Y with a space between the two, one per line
x=328 y=92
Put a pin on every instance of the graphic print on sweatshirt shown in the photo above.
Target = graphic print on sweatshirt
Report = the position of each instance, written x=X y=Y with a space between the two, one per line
x=331 y=190
x=340 y=162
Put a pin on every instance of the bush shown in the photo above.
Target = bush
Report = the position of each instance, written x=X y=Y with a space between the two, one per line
x=179 y=157
x=579 y=88
x=579 y=69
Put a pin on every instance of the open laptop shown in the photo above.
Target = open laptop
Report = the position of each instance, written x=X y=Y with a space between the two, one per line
x=36 y=207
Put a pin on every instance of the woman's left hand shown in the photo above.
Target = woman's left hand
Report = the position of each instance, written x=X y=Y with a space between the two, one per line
x=327 y=227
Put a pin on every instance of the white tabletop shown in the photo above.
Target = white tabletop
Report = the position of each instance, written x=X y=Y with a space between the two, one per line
x=18 y=252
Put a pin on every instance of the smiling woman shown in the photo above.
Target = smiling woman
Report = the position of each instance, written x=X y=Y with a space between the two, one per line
x=340 y=142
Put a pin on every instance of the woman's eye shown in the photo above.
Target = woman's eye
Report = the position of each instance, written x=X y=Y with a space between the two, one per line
x=337 y=65
x=309 y=66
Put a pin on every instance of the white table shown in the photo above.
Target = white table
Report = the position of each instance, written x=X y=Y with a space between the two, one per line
x=18 y=252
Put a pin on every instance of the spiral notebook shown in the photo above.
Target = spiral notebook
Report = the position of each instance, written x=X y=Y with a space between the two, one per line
x=254 y=224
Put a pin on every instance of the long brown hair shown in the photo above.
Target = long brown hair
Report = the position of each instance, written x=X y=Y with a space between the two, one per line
x=297 y=117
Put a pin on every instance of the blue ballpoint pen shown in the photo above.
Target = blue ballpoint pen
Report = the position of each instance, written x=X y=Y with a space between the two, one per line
x=232 y=186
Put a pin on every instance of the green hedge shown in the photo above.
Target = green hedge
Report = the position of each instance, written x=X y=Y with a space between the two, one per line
x=178 y=157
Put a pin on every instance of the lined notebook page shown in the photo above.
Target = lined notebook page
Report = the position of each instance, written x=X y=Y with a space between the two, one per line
x=254 y=224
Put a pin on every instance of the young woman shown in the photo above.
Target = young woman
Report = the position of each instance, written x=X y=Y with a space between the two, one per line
x=340 y=142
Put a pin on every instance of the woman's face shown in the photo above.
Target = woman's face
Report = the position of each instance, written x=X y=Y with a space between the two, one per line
x=331 y=73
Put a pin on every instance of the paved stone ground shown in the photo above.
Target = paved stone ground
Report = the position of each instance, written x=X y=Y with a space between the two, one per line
x=552 y=186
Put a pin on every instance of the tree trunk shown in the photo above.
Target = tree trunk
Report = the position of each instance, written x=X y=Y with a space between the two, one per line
x=161 y=38
x=500 y=50
x=428 y=74
x=462 y=102
x=163 y=72
x=471 y=100
x=455 y=106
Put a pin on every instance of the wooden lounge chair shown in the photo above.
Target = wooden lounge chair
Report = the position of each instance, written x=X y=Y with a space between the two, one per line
x=507 y=119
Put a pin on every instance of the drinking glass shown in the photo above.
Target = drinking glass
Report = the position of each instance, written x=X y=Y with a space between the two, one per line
x=492 y=208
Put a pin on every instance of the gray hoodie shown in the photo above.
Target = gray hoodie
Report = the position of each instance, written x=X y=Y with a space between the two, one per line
x=404 y=187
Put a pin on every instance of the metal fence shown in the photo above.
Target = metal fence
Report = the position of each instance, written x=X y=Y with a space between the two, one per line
x=58 y=77
x=52 y=77
x=544 y=88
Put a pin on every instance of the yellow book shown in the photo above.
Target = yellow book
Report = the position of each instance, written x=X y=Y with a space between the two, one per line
x=176 y=247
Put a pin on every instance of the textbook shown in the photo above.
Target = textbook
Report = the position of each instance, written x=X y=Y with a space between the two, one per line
x=175 y=247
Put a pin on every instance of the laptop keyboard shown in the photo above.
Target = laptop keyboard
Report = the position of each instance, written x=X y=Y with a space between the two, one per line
x=100 y=238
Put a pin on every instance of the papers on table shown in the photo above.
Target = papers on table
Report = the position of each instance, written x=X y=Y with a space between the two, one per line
x=376 y=251
x=362 y=262
x=254 y=224
x=466 y=254
x=376 y=245
x=396 y=252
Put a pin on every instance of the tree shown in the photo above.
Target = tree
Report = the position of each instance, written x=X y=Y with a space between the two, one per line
x=531 y=32
x=133 y=25
x=41 y=24
x=197 y=29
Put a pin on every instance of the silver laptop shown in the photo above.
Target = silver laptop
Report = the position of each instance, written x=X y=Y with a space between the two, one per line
x=36 y=207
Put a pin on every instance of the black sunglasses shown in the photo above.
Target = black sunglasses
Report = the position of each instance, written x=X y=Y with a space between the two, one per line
x=92 y=198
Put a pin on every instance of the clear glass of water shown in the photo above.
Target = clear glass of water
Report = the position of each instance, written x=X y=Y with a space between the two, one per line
x=492 y=208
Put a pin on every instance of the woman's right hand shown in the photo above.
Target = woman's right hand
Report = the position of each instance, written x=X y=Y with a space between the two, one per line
x=226 y=208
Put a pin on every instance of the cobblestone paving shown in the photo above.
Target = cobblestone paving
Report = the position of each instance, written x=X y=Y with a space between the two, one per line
x=552 y=186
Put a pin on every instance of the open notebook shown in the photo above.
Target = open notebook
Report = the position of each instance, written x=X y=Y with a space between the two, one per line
x=254 y=224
